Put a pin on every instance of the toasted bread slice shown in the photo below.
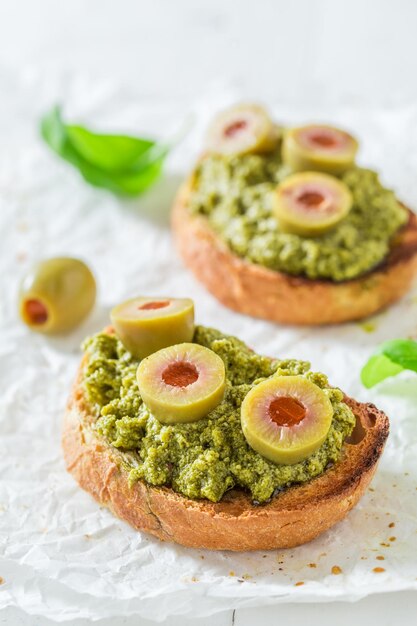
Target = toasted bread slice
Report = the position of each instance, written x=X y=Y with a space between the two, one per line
x=278 y=297
x=293 y=517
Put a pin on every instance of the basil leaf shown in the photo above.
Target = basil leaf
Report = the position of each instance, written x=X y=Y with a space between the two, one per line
x=112 y=162
x=53 y=130
x=378 y=368
x=401 y=351
x=391 y=358
x=108 y=152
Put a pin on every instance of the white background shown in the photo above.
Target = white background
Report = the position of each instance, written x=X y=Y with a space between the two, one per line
x=364 y=49
x=318 y=51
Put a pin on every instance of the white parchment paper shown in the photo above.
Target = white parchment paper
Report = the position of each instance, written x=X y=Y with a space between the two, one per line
x=62 y=556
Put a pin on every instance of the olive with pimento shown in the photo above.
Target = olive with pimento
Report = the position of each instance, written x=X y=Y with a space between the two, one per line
x=56 y=295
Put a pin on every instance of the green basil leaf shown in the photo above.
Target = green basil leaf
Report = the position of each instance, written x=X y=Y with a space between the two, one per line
x=391 y=358
x=401 y=351
x=378 y=368
x=145 y=165
x=53 y=130
x=108 y=152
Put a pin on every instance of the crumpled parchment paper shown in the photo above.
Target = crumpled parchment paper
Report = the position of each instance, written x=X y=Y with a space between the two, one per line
x=62 y=556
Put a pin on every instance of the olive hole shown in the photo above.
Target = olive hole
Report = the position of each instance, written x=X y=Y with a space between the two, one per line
x=286 y=411
x=323 y=140
x=180 y=374
x=236 y=127
x=311 y=199
x=36 y=312
x=154 y=305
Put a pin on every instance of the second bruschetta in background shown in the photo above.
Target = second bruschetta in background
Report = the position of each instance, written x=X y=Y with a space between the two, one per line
x=283 y=225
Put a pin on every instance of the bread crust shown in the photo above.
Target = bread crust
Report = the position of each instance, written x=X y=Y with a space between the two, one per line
x=293 y=517
x=278 y=297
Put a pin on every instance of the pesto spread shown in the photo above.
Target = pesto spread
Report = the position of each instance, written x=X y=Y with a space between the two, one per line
x=203 y=459
x=235 y=194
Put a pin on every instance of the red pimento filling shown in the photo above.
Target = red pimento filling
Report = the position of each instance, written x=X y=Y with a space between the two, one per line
x=286 y=411
x=36 y=312
x=149 y=306
x=235 y=128
x=311 y=199
x=180 y=374
x=325 y=140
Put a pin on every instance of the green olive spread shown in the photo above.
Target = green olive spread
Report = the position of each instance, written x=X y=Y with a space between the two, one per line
x=203 y=459
x=235 y=194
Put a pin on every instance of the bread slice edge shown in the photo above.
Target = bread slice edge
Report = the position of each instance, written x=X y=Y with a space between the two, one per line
x=278 y=297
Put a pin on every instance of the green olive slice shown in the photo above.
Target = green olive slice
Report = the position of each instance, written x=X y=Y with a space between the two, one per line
x=145 y=325
x=182 y=383
x=243 y=129
x=319 y=148
x=56 y=295
x=310 y=203
x=286 y=418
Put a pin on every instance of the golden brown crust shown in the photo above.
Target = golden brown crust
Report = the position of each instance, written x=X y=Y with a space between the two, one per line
x=293 y=517
x=278 y=297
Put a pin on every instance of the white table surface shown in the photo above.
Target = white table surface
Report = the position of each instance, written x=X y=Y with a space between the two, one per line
x=305 y=49
x=387 y=610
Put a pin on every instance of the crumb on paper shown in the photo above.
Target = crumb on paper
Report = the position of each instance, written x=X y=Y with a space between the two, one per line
x=336 y=570
x=231 y=573
x=247 y=576
x=313 y=565
x=391 y=525
x=2 y=581
x=380 y=558
x=189 y=579
x=368 y=327
x=378 y=570
x=392 y=539
x=384 y=545
x=300 y=582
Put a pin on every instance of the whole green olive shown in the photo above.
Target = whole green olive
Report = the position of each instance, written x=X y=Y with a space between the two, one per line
x=56 y=295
